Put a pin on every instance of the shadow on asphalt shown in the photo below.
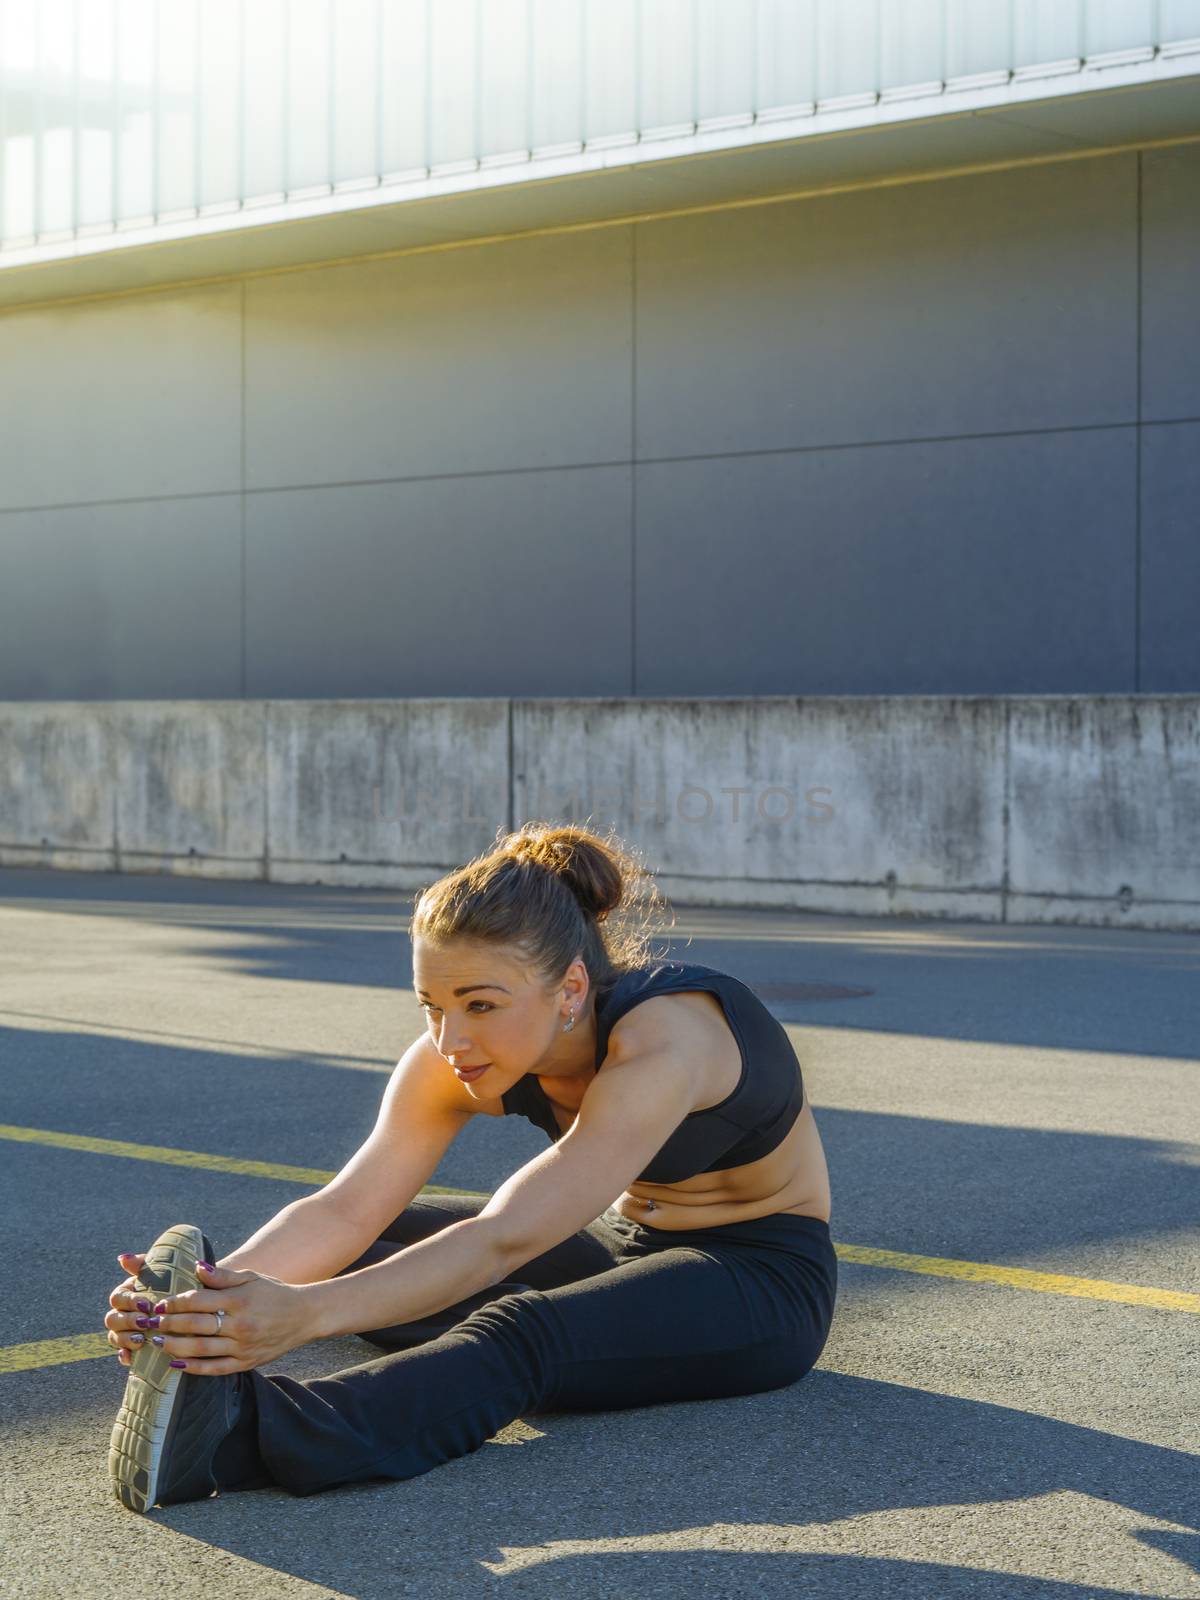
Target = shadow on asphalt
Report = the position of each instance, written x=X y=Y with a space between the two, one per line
x=822 y=1450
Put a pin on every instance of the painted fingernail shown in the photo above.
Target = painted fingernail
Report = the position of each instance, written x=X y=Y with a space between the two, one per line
x=179 y=1363
x=143 y=1305
x=160 y=1308
x=207 y=1265
x=156 y=1338
x=136 y=1338
x=141 y=1322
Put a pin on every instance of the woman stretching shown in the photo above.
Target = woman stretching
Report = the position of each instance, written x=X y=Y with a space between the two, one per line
x=673 y=1099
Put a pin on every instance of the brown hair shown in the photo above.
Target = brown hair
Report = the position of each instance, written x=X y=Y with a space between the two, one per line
x=551 y=892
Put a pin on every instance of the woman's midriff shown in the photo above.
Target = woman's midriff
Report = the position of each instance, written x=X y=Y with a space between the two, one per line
x=792 y=1177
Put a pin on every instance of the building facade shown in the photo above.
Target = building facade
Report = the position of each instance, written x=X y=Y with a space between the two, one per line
x=392 y=349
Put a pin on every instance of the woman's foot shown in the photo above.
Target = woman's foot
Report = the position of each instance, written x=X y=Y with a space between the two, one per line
x=171 y=1422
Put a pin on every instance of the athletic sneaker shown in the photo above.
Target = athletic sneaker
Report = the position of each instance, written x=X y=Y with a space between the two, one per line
x=171 y=1422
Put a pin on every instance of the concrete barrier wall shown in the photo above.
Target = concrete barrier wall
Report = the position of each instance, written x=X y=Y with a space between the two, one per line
x=1040 y=809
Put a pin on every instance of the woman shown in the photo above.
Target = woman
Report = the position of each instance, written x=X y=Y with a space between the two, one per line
x=674 y=1100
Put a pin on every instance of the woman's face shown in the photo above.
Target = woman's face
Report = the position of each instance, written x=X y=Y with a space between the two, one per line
x=484 y=1006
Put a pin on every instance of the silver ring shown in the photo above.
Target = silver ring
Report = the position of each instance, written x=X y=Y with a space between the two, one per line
x=220 y=1316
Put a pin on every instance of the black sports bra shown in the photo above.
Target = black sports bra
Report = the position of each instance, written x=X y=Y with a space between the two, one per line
x=747 y=1124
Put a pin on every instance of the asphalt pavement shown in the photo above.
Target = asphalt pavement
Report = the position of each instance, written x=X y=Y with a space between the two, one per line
x=990 y=1097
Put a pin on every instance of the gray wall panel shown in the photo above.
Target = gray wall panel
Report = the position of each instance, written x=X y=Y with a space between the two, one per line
x=1171 y=283
x=998 y=301
x=996 y=566
x=497 y=585
x=1171 y=559
x=134 y=601
x=482 y=385
x=475 y=360
x=121 y=398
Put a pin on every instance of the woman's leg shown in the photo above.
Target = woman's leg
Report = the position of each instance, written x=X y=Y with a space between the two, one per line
x=680 y=1317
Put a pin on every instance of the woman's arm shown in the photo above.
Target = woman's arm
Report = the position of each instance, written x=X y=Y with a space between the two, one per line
x=268 y=1317
x=423 y=1108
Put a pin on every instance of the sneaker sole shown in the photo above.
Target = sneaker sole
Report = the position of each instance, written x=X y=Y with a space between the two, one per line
x=150 y=1408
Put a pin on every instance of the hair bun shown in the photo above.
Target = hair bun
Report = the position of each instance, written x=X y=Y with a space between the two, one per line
x=584 y=863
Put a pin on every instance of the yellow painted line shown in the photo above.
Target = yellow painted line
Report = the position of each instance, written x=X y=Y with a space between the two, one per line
x=52 y=1352
x=87 y=1346
x=178 y=1158
x=164 y=1155
x=1130 y=1294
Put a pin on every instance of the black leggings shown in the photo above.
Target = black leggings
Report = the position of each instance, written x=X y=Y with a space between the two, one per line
x=617 y=1315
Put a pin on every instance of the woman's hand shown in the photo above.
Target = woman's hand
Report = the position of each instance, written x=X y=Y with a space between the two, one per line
x=263 y=1319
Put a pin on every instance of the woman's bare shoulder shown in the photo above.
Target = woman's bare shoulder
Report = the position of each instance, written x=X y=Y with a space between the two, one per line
x=668 y=1022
